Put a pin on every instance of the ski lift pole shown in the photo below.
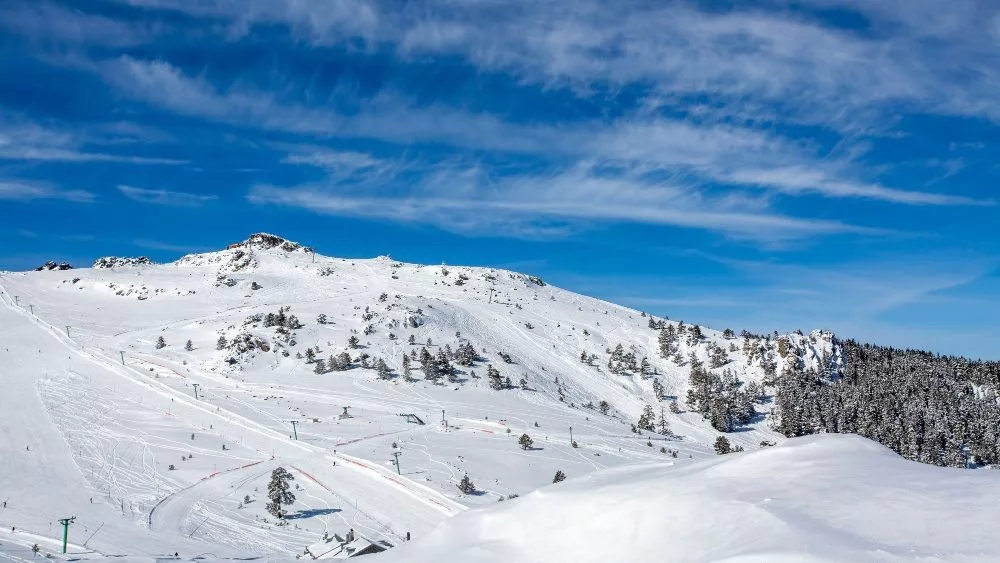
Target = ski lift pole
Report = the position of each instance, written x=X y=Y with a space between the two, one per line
x=396 y=455
x=195 y=385
x=65 y=523
x=294 y=430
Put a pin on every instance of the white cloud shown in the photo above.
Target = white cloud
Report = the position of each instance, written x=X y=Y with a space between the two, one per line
x=165 y=197
x=23 y=191
x=918 y=54
x=468 y=201
x=166 y=246
x=333 y=160
x=23 y=139
x=716 y=152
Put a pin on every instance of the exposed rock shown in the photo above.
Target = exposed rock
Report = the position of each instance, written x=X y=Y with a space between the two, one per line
x=121 y=262
x=50 y=265
x=266 y=241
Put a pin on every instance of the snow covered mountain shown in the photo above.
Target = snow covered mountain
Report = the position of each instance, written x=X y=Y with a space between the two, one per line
x=153 y=401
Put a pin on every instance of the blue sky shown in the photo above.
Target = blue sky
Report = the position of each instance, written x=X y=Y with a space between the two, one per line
x=767 y=165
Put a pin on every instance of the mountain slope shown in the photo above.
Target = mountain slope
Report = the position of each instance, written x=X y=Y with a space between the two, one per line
x=149 y=450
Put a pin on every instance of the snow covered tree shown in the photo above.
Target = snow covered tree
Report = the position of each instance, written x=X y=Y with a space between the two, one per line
x=310 y=356
x=603 y=406
x=344 y=360
x=722 y=445
x=525 y=441
x=657 y=389
x=160 y=343
x=382 y=368
x=279 y=493
x=493 y=377
x=353 y=342
x=406 y=366
x=412 y=341
x=321 y=319
x=221 y=343
x=320 y=366
x=646 y=419
x=662 y=426
x=674 y=407
x=188 y=346
x=466 y=485
x=559 y=477
x=429 y=365
x=442 y=365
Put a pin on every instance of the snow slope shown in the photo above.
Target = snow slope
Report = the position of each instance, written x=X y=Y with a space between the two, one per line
x=831 y=498
x=110 y=417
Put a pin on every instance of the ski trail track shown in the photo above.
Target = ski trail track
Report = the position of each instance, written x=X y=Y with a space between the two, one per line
x=298 y=452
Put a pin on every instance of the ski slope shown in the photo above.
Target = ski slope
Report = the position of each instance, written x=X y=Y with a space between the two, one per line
x=100 y=423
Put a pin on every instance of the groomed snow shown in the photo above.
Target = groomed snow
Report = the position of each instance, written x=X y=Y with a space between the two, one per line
x=821 y=499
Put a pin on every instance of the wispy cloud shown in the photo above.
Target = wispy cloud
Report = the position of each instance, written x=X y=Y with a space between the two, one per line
x=712 y=152
x=167 y=247
x=165 y=197
x=333 y=160
x=786 y=54
x=23 y=139
x=468 y=201
x=23 y=191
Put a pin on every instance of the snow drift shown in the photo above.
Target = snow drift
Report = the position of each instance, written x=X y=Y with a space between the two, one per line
x=830 y=498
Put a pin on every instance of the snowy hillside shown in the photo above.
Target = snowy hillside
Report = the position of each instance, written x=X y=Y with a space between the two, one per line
x=831 y=498
x=156 y=445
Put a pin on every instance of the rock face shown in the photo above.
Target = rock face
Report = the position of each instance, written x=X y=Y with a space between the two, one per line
x=266 y=241
x=50 y=265
x=121 y=262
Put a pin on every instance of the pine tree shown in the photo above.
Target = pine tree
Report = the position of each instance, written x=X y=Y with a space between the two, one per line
x=646 y=419
x=722 y=445
x=493 y=377
x=657 y=389
x=279 y=493
x=188 y=346
x=344 y=360
x=321 y=319
x=443 y=366
x=353 y=342
x=466 y=485
x=674 y=407
x=310 y=356
x=160 y=343
x=603 y=406
x=220 y=344
x=559 y=477
x=382 y=368
x=320 y=366
x=406 y=366
x=525 y=441
x=662 y=426
x=412 y=340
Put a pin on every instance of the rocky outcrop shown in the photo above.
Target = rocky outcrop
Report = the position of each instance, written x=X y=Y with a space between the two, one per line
x=50 y=266
x=121 y=262
x=266 y=241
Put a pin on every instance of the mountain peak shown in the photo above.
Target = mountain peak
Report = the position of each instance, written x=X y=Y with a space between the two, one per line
x=267 y=241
